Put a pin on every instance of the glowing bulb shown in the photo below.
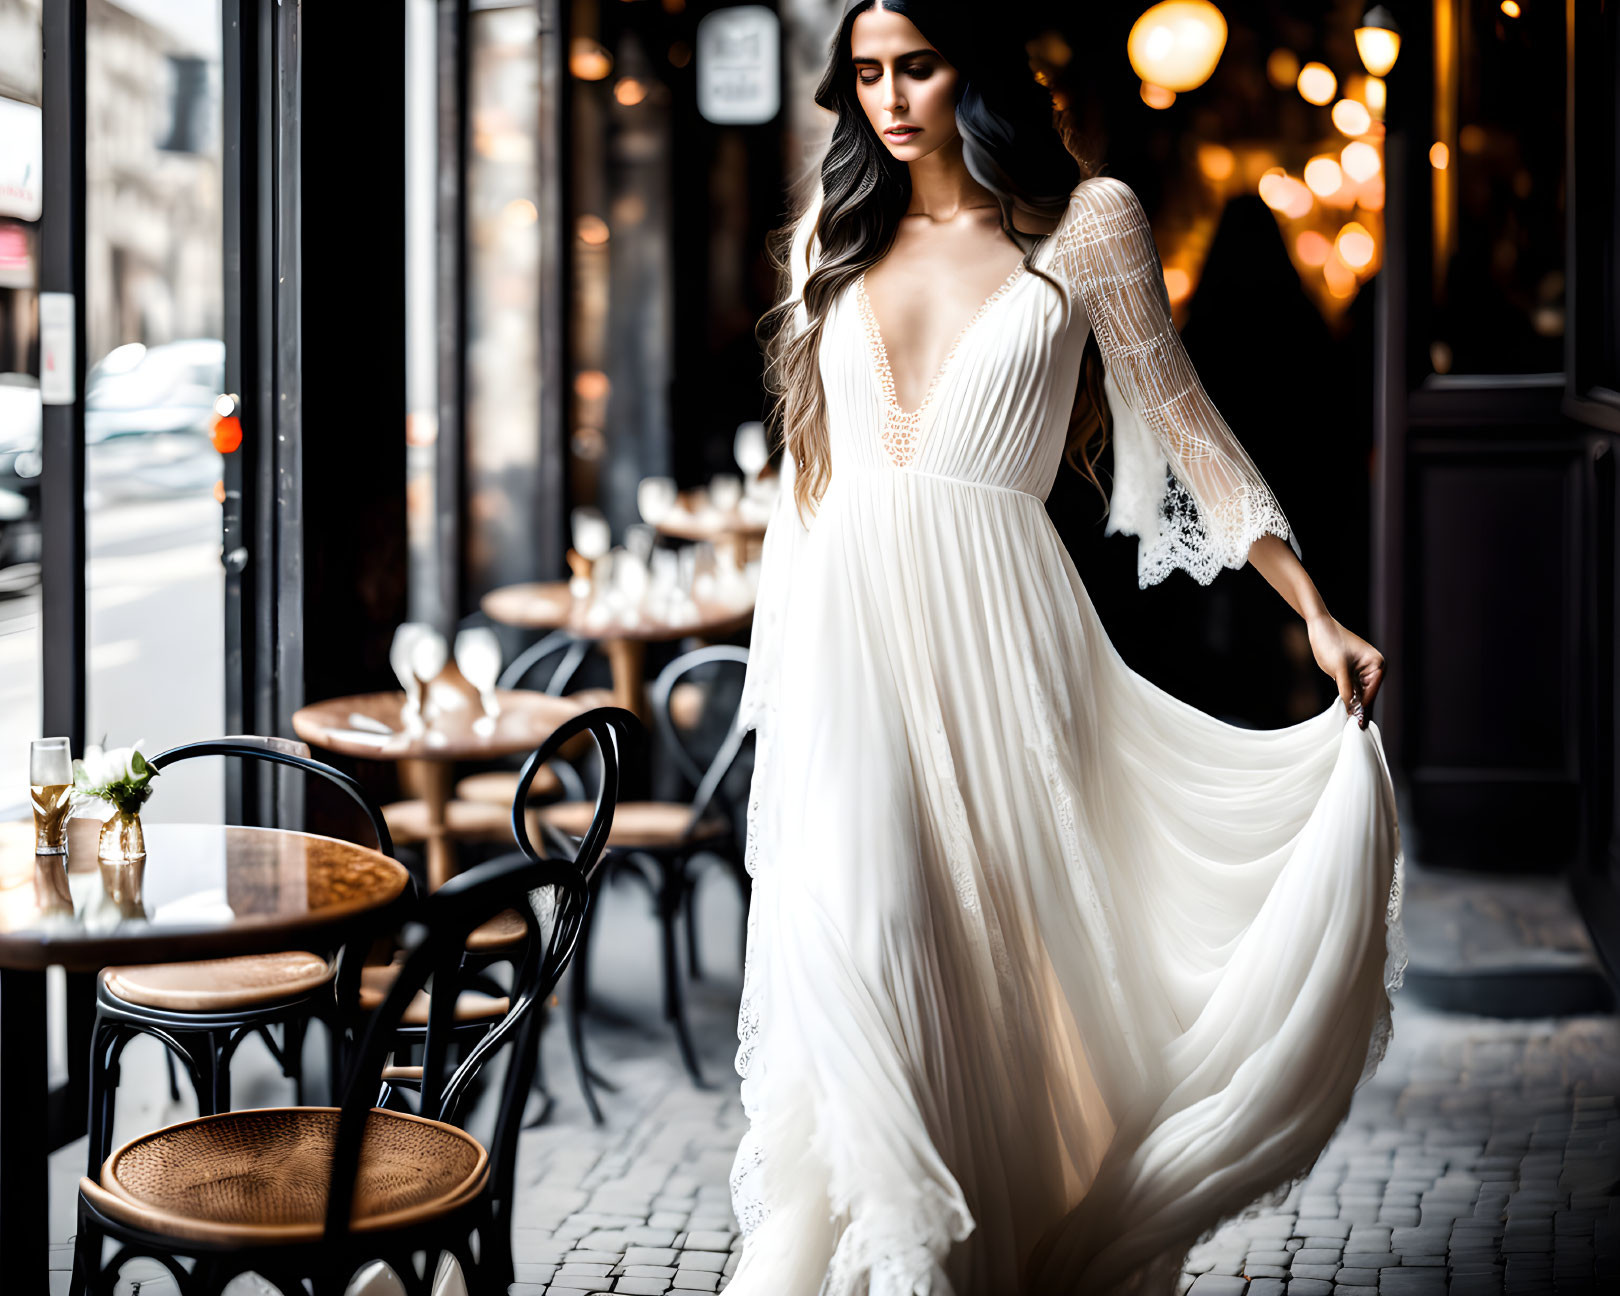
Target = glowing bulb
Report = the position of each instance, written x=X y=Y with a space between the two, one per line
x=1360 y=160
x=1510 y=8
x=1177 y=43
x=1378 y=41
x=591 y=384
x=1351 y=118
x=1355 y=246
x=629 y=91
x=593 y=230
x=1439 y=155
x=1323 y=176
x=1317 y=84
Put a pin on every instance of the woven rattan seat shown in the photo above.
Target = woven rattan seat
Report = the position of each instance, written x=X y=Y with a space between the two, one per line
x=219 y=985
x=498 y=787
x=470 y=1004
x=463 y=820
x=260 y=1176
x=635 y=823
x=500 y=932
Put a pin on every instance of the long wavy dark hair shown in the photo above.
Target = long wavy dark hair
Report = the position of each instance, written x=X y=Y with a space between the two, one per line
x=1014 y=143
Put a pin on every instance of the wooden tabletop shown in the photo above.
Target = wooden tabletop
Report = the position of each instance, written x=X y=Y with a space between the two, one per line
x=526 y=719
x=205 y=891
x=547 y=605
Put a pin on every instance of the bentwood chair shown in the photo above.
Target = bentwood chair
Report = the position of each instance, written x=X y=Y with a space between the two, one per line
x=658 y=842
x=311 y=1194
x=202 y=1011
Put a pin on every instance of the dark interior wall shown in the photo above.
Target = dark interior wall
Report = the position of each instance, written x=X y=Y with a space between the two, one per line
x=352 y=344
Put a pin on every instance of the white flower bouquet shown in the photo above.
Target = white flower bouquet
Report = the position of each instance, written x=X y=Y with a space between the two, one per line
x=120 y=778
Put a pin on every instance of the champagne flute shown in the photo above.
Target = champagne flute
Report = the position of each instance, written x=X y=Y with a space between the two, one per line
x=429 y=656
x=50 y=778
x=750 y=449
x=593 y=536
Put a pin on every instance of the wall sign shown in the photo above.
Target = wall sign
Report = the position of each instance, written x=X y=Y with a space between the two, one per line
x=739 y=54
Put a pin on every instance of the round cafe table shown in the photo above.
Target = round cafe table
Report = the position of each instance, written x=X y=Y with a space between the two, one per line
x=205 y=891
x=525 y=721
x=547 y=605
x=694 y=518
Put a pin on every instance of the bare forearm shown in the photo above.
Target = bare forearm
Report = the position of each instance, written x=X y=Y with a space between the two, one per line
x=1274 y=560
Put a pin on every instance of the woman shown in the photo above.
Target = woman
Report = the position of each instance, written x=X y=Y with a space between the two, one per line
x=1048 y=972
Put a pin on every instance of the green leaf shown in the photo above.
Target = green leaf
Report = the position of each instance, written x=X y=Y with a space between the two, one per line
x=137 y=764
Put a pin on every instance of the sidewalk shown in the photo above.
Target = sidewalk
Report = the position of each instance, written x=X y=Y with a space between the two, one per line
x=1483 y=1157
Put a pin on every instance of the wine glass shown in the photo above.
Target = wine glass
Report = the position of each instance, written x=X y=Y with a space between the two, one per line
x=639 y=539
x=400 y=658
x=655 y=496
x=725 y=489
x=478 y=658
x=749 y=448
x=593 y=537
x=50 y=778
x=429 y=656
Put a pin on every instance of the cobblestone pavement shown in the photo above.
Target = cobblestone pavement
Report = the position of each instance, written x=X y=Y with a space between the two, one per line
x=1483 y=1158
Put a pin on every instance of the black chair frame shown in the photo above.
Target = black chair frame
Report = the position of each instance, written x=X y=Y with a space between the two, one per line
x=435 y=945
x=665 y=872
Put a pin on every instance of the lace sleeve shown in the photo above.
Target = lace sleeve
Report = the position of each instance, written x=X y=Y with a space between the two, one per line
x=1182 y=482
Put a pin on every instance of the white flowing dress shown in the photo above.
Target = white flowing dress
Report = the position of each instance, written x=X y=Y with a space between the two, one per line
x=1048 y=972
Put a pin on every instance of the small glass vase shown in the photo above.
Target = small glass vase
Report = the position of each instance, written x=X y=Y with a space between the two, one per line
x=122 y=841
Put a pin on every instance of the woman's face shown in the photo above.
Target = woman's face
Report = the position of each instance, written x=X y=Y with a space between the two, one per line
x=906 y=88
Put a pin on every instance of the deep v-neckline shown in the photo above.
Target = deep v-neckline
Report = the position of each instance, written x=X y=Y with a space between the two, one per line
x=880 y=350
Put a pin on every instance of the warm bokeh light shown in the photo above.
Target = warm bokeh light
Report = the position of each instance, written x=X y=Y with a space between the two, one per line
x=1371 y=195
x=629 y=91
x=1284 y=194
x=680 y=54
x=1177 y=284
x=1317 y=84
x=1156 y=96
x=1352 y=118
x=591 y=384
x=1377 y=94
x=1472 y=138
x=1510 y=8
x=520 y=211
x=1216 y=161
x=1282 y=68
x=1360 y=160
x=1439 y=155
x=593 y=230
x=1176 y=44
x=1355 y=246
x=1323 y=176
x=589 y=61
x=1341 y=279
x=1312 y=247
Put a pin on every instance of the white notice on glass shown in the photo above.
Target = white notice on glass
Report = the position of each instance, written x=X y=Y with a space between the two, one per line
x=56 y=349
x=738 y=66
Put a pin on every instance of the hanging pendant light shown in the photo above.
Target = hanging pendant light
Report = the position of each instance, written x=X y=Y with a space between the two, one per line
x=1176 y=44
x=1378 y=40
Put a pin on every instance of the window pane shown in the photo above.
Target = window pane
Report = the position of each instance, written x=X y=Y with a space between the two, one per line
x=1497 y=162
x=20 y=71
x=154 y=319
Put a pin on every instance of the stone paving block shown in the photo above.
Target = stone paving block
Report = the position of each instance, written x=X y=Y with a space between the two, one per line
x=642 y=1286
x=1217 y=1285
x=696 y=1280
